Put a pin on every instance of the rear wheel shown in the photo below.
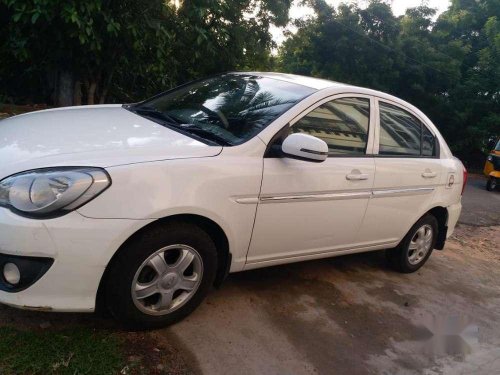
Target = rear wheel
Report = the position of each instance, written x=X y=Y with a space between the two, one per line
x=416 y=247
x=161 y=276
x=491 y=184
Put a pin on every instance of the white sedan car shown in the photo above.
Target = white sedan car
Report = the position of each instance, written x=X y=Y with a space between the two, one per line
x=142 y=208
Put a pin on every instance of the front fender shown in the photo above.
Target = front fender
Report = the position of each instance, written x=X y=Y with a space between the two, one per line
x=208 y=187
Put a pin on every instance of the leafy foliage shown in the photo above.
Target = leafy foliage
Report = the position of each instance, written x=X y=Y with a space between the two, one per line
x=448 y=67
x=61 y=50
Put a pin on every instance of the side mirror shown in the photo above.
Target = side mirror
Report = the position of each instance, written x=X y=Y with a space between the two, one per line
x=305 y=147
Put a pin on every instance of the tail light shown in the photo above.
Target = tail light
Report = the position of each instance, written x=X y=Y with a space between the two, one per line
x=464 y=180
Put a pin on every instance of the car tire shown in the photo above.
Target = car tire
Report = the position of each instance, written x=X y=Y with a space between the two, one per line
x=153 y=263
x=491 y=184
x=416 y=247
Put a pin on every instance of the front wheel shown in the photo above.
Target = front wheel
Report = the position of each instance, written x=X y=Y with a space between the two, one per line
x=491 y=184
x=161 y=276
x=416 y=247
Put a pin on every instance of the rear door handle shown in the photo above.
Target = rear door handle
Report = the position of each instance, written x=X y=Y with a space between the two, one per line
x=429 y=174
x=357 y=176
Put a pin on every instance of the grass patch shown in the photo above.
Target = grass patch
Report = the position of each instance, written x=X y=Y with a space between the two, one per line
x=76 y=351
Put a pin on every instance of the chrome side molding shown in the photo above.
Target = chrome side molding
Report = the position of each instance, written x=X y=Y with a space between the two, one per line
x=356 y=194
x=402 y=192
x=315 y=197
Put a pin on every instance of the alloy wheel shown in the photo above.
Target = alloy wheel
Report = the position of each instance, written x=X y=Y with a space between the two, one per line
x=167 y=279
x=420 y=244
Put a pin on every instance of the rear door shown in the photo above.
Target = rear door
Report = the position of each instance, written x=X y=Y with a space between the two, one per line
x=408 y=170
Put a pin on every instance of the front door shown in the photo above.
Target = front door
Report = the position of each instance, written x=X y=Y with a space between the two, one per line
x=311 y=209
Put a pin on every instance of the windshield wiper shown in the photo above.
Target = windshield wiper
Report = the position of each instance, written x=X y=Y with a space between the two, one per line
x=204 y=133
x=171 y=122
x=152 y=112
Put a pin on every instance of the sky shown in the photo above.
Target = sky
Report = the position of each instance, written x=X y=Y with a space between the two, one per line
x=398 y=7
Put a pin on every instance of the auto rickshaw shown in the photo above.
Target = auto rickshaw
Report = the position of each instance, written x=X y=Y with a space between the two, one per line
x=492 y=167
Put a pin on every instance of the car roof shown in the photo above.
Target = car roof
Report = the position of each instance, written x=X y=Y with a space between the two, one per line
x=322 y=84
x=315 y=83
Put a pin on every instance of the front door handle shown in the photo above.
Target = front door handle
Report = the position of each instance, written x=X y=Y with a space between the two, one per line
x=429 y=174
x=357 y=176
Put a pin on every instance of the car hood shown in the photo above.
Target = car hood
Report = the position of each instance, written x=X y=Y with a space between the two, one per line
x=102 y=136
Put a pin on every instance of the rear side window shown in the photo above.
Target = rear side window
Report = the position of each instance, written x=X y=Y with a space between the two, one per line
x=428 y=142
x=402 y=134
x=341 y=123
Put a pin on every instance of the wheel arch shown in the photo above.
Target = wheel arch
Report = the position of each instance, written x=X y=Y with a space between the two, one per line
x=441 y=215
x=213 y=229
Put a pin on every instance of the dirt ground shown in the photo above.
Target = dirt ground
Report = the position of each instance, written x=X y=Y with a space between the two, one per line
x=349 y=314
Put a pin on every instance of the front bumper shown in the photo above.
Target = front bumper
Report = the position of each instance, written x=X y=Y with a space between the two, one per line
x=31 y=269
x=80 y=248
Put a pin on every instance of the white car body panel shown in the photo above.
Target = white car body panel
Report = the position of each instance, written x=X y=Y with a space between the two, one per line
x=100 y=136
x=272 y=210
x=81 y=249
x=400 y=194
x=316 y=192
x=232 y=182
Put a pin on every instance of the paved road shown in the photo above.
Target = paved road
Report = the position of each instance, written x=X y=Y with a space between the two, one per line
x=480 y=207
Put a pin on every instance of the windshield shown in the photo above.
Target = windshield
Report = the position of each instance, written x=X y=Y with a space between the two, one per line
x=497 y=148
x=227 y=109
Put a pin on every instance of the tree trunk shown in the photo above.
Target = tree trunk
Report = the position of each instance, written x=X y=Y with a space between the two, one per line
x=105 y=88
x=65 y=89
x=91 y=93
x=77 y=95
x=102 y=98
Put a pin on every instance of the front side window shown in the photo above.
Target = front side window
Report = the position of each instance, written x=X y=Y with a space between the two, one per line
x=402 y=134
x=228 y=109
x=341 y=123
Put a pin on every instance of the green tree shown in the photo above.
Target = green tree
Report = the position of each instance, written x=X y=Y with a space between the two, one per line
x=474 y=100
x=346 y=44
x=79 y=45
x=130 y=48
x=448 y=67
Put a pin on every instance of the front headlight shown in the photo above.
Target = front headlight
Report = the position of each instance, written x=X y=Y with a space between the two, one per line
x=52 y=191
x=489 y=158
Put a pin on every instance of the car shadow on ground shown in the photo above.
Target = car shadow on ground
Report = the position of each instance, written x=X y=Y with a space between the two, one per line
x=256 y=279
